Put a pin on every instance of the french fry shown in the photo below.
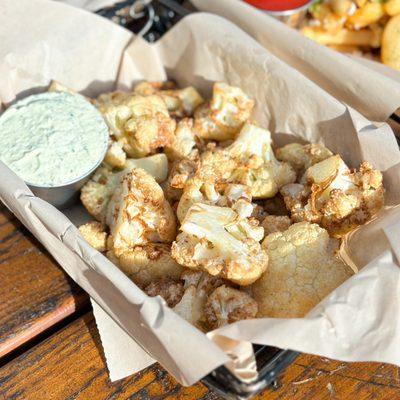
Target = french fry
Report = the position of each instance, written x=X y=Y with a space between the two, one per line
x=390 y=51
x=345 y=48
x=366 y=15
x=392 y=7
x=341 y=7
x=361 y=3
x=363 y=37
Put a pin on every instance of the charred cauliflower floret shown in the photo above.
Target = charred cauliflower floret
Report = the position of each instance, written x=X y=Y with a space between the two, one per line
x=168 y=289
x=149 y=262
x=302 y=270
x=301 y=157
x=115 y=156
x=257 y=166
x=95 y=234
x=336 y=197
x=180 y=102
x=275 y=223
x=226 y=305
x=223 y=117
x=216 y=240
x=138 y=213
x=183 y=142
x=181 y=172
x=96 y=193
x=140 y=123
x=198 y=286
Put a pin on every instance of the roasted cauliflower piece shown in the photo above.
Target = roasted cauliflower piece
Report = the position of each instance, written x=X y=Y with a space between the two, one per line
x=168 y=289
x=144 y=264
x=335 y=197
x=257 y=166
x=96 y=193
x=302 y=270
x=140 y=123
x=223 y=117
x=138 y=213
x=301 y=157
x=181 y=172
x=115 y=156
x=95 y=234
x=183 y=143
x=226 y=305
x=216 y=240
x=180 y=102
x=275 y=223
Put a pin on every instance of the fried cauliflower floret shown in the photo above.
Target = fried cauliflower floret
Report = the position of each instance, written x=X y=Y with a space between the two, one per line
x=180 y=102
x=181 y=172
x=140 y=123
x=95 y=234
x=302 y=270
x=138 y=213
x=216 y=240
x=275 y=223
x=168 y=289
x=301 y=157
x=147 y=88
x=183 y=143
x=115 y=156
x=226 y=305
x=223 y=117
x=336 y=197
x=96 y=193
x=198 y=286
x=144 y=264
x=230 y=195
x=257 y=166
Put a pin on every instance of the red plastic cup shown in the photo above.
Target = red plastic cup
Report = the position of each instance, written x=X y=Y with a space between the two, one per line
x=280 y=7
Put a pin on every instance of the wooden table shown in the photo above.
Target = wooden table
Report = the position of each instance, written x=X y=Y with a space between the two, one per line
x=50 y=349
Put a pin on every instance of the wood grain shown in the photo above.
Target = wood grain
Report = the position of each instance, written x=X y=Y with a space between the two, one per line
x=35 y=293
x=70 y=365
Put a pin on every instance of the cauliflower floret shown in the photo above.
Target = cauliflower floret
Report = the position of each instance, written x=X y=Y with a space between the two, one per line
x=275 y=223
x=257 y=166
x=181 y=172
x=226 y=305
x=217 y=240
x=96 y=193
x=180 y=102
x=144 y=264
x=140 y=123
x=147 y=88
x=138 y=213
x=168 y=289
x=336 y=197
x=301 y=157
x=115 y=156
x=302 y=270
x=95 y=234
x=198 y=285
x=223 y=117
x=183 y=143
x=231 y=195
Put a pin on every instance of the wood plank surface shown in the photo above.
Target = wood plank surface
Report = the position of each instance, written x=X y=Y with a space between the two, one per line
x=35 y=293
x=70 y=365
